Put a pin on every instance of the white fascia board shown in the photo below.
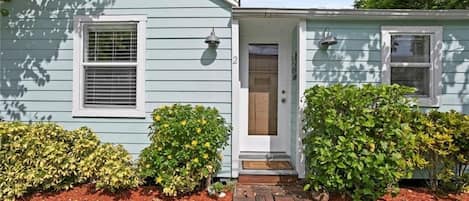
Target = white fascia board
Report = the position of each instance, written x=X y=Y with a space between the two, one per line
x=354 y=14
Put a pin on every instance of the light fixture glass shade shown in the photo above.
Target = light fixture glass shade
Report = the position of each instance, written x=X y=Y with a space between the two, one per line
x=328 y=41
x=212 y=40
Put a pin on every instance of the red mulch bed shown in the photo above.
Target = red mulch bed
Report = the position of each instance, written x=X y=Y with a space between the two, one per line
x=87 y=192
x=415 y=194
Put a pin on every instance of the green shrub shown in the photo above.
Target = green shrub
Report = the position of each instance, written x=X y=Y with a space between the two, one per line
x=111 y=167
x=185 y=148
x=443 y=141
x=464 y=182
x=460 y=124
x=217 y=187
x=43 y=157
x=357 y=140
x=40 y=156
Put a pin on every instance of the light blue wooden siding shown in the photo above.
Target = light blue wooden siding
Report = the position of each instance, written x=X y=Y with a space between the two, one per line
x=36 y=54
x=356 y=59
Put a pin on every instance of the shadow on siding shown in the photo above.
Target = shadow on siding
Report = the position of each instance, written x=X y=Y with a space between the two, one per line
x=456 y=76
x=356 y=59
x=31 y=37
x=350 y=61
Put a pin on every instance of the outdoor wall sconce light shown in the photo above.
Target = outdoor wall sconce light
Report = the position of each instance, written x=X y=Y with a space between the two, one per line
x=327 y=41
x=212 y=40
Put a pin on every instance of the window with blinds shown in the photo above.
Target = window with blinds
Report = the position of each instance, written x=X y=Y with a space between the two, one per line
x=110 y=65
x=110 y=86
x=111 y=43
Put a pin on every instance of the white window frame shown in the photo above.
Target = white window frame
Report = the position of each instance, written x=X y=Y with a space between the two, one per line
x=436 y=56
x=79 y=110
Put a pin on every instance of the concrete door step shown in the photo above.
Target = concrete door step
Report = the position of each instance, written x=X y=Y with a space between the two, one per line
x=267 y=179
x=263 y=156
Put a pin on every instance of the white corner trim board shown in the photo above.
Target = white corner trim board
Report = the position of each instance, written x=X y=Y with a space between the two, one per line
x=235 y=147
x=302 y=58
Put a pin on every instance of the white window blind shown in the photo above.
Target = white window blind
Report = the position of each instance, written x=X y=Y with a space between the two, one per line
x=111 y=43
x=110 y=86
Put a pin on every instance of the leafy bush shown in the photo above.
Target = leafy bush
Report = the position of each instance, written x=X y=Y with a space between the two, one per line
x=185 y=148
x=45 y=157
x=443 y=139
x=111 y=167
x=40 y=156
x=217 y=187
x=357 y=140
x=463 y=183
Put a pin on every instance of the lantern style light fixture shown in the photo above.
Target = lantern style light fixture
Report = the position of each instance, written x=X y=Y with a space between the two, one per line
x=327 y=41
x=212 y=40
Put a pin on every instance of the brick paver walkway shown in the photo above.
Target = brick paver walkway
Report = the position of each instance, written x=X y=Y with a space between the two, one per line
x=259 y=192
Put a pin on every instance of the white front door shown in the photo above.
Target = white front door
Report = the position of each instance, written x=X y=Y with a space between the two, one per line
x=267 y=100
x=266 y=96
x=265 y=69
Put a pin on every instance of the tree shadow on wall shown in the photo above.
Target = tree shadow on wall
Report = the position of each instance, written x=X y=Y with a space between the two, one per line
x=38 y=34
x=456 y=72
x=353 y=61
x=356 y=59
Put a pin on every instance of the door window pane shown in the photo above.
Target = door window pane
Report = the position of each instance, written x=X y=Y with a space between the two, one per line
x=410 y=48
x=418 y=78
x=263 y=87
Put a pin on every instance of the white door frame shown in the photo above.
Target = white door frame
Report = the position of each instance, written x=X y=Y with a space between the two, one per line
x=236 y=98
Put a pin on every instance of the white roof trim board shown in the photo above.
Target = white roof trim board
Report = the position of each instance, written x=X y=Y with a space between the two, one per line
x=233 y=2
x=354 y=14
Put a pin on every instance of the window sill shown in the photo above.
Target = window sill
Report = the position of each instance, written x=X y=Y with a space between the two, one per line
x=427 y=102
x=109 y=113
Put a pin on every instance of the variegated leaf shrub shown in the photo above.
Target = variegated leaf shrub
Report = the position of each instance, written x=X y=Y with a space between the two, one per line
x=185 y=150
x=358 y=141
x=111 y=168
x=45 y=156
x=443 y=141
